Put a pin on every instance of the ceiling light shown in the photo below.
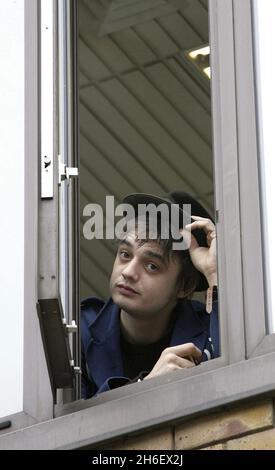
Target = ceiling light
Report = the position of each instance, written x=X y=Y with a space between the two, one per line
x=200 y=57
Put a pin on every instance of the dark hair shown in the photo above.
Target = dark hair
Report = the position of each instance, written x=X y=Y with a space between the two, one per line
x=188 y=274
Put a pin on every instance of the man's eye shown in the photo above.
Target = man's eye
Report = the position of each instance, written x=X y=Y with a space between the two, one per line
x=124 y=254
x=152 y=267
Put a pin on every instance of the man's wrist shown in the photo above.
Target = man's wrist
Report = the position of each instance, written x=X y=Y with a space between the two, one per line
x=212 y=280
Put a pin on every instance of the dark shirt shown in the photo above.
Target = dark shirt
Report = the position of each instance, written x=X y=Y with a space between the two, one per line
x=141 y=358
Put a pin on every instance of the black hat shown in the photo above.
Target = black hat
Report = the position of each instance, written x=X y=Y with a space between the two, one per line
x=180 y=198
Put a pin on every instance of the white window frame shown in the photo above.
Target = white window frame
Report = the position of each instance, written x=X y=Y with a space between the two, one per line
x=247 y=366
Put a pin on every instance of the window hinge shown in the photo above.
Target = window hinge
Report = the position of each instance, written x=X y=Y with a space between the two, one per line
x=65 y=172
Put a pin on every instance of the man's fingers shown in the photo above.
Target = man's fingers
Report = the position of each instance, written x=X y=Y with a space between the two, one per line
x=204 y=224
x=184 y=363
x=189 y=239
x=200 y=223
x=186 y=350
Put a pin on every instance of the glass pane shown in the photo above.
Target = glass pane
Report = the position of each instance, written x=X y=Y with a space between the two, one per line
x=12 y=206
x=264 y=17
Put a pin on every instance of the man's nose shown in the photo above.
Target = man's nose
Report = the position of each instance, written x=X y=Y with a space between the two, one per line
x=131 y=270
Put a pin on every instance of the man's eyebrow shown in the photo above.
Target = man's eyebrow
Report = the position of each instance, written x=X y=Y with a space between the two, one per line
x=126 y=242
x=154 y=254
x=149 y=253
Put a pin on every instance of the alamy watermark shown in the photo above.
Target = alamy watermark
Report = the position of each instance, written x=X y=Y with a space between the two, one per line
x=149 y=221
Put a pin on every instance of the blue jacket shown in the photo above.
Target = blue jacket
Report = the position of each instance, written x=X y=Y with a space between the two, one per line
x=100 y=331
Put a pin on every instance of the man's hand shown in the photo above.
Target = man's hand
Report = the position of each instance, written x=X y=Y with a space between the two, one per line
x=204 y=258
x=176 y=357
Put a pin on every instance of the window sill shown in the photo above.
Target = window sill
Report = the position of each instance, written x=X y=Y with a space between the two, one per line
x=142 y=406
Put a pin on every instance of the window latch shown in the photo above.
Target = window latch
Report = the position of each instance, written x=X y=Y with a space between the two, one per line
x=72 y=328
x=65 y=172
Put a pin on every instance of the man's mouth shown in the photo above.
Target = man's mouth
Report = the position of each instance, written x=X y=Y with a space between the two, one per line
x=125 y=289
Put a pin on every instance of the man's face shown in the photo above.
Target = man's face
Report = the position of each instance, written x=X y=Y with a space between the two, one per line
x=143 y=282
